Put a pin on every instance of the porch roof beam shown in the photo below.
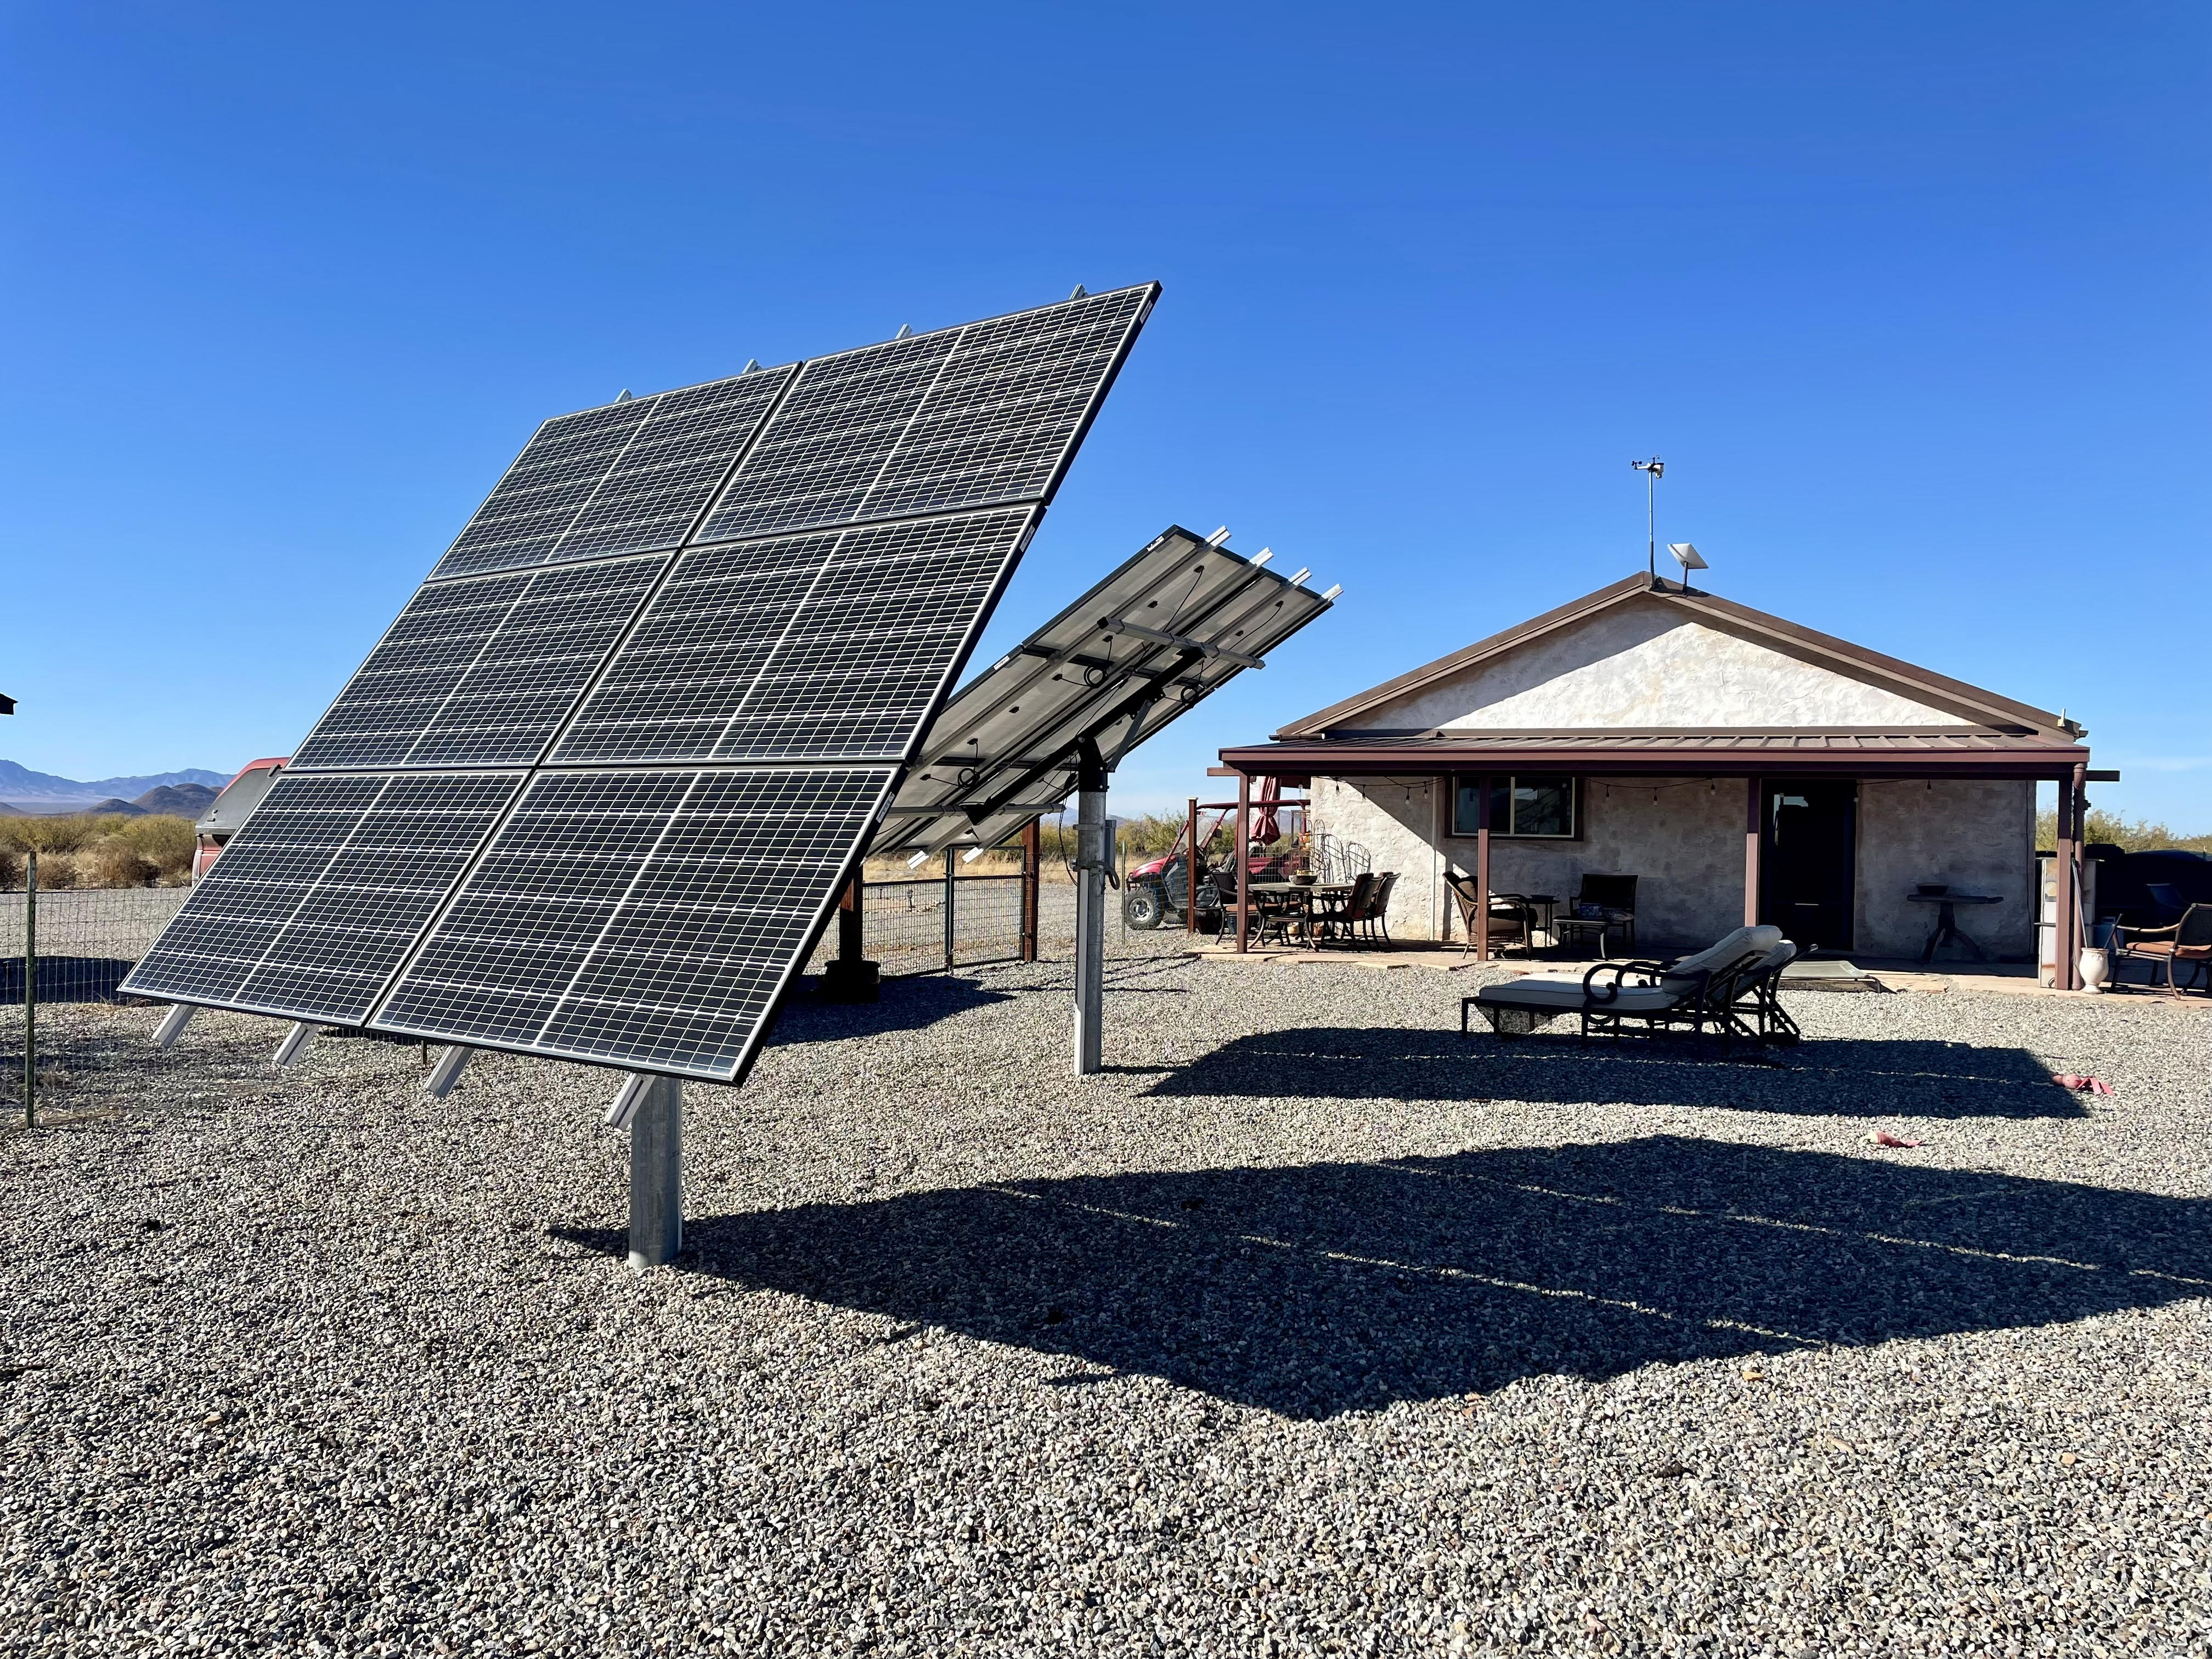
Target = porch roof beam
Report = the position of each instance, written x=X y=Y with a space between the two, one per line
x=2051 y=764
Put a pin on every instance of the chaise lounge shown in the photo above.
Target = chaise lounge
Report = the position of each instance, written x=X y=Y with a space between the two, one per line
x=1728 y=987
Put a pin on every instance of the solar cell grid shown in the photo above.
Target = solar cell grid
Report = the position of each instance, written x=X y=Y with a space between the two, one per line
x=315 y=902
x=626 y=478
x=958 y=419
x=644 y=918
x=831 y=645
x=481 y=670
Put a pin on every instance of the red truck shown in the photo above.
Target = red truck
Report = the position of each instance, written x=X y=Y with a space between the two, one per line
x=227 y=810
x=1159 y=893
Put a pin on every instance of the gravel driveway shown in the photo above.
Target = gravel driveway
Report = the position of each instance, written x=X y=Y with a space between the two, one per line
x=1313 y=1327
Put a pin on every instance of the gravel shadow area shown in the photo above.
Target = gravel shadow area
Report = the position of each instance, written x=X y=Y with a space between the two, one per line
x=1312 y=1326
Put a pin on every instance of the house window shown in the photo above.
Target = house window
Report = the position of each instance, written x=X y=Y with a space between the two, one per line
x=1528 y=809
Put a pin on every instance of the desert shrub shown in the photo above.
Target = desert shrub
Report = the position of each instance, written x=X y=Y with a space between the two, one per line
x=113 y=862
x=57 y=870
x=2136 y=835
x=164 y=841
x=11 y=867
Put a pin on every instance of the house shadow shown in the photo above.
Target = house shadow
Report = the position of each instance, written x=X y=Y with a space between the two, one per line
x=1823 y=1077
x=1318 y=1289
x=904 y=1004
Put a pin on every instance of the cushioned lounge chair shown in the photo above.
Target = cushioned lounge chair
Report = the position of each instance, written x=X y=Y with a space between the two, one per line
x=1701 y=992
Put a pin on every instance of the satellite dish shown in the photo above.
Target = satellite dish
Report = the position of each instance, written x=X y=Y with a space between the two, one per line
x=1686 y=556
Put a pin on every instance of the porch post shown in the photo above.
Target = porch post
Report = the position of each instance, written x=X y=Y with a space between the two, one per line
x=1032 y=865
x=1190 y=871
x=1482 y=869
x=1243 y=863
x=1752 y=790
x=2065 y=954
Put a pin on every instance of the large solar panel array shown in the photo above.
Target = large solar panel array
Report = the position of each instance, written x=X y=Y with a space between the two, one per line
x=594 y=792
x=1159 y=635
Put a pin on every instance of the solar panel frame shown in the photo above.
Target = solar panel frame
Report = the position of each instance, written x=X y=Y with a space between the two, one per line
x=848 y=444
x=277 y=884
x=715 y=662
x=561 y=499
x=458 y=644
x=593 y=490
x=557 y=902
x=1082 y=675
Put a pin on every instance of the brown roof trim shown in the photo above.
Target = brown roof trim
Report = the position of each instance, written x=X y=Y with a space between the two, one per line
x=1802 y=642
x=1991 y=757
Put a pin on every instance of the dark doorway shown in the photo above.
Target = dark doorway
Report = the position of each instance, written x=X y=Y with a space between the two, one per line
x=1807 y=866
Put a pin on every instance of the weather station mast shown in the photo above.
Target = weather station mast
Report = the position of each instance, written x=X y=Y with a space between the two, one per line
x=1685 y=554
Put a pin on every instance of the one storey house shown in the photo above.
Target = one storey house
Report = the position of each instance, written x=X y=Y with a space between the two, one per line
x=1742 y=767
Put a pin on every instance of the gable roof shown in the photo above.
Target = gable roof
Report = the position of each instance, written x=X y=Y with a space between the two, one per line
x=1808 y=645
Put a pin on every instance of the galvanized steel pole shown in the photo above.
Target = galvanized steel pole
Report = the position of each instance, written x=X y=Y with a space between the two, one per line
x=656 y=1175
x=1090 y=855
x=31 y=991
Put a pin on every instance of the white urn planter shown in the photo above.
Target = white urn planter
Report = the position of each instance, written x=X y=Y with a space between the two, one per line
x=2096 y=966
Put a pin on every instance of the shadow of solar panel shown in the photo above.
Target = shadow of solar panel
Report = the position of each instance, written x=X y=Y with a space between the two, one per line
x=315 y=902
x=626 y=478
x=481 y=670
x=640 y=918
x=832 y=645
x=957 y=419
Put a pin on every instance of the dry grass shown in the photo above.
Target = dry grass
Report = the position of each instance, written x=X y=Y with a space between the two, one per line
x=86 y=849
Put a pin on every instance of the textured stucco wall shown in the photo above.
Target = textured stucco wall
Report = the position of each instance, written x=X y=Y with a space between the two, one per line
x=1683 y=839
x=1642 y=663
x=1978 y=837
x=1685 y=847
x=1395 y=825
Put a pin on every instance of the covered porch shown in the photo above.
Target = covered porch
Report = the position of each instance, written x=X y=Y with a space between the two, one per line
x=1831 y=835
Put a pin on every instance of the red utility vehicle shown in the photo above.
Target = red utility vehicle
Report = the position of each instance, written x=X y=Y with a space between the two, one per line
x=1159 y=892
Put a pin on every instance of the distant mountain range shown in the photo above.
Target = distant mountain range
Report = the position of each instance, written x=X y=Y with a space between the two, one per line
x=186 y=793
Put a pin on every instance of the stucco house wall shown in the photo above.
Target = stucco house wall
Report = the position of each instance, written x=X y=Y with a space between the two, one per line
x=1642 y=665
x=1683 y=839
x=1978 y=837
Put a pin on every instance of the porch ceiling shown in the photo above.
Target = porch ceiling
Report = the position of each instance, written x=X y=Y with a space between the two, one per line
x=1796 y=752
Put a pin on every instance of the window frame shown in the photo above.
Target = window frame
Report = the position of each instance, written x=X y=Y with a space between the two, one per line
x=1467 y=782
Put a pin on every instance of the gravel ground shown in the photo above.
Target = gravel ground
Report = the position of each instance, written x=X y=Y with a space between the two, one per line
x=1313 y=1327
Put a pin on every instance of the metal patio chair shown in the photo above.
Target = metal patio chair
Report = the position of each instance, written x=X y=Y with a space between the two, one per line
x=1512 y=916
x=2184 y=943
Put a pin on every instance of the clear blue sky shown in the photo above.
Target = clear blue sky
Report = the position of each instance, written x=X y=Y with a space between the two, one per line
x=1913 y=298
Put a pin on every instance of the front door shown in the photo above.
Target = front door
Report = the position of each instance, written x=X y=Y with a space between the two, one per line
x=1806 y=865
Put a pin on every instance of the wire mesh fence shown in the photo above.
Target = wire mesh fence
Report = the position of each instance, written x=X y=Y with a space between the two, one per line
x=65 y=945
x=928 y=925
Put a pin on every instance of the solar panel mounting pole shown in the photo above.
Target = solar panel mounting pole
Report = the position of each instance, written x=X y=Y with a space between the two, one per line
x=1090 y=909
x=656 y=1174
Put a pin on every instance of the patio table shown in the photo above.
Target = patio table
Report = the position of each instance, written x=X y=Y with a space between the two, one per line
x=1302 y=895
x=1947 y=931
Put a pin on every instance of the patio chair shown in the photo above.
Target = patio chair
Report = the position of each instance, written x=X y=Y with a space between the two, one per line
x=1350 y=909
x=1758 y=1001
x=2184 y=944
x=1604 y=905
x=1701 y=992
x=1511 y=915
x=1378 y=907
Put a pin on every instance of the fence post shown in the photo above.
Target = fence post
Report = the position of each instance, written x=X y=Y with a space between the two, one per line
x=31 y=991
x=1032 y=866
x=950 y=882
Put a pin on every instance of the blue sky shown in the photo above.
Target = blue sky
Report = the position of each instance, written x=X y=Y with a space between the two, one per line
x=1910 y=298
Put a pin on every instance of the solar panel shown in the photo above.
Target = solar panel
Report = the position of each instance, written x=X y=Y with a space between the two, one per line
x=318 y=899
x=626 y=478
x=835 y=645
x=648 y=918
x=1159 y=635
x=649 y=762
x=974 y=417
x=481 y=670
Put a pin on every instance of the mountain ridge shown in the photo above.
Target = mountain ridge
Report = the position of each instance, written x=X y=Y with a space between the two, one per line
x=45 y=792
